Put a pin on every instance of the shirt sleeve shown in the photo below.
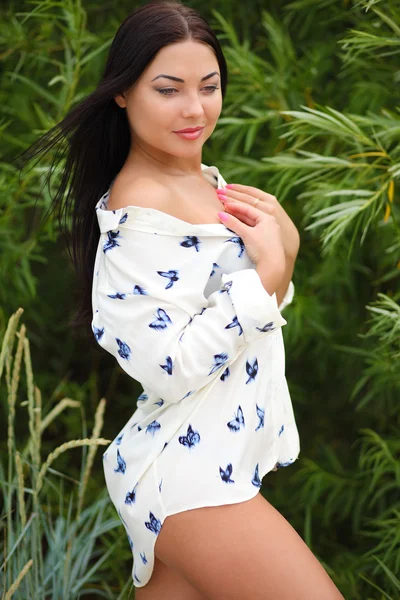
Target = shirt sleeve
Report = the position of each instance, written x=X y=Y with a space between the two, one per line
x=151 y=314
x=288 y=296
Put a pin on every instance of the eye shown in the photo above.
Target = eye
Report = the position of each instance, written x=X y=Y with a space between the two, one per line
x=166 y=91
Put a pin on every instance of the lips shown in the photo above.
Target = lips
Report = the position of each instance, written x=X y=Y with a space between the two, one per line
x=189 y=130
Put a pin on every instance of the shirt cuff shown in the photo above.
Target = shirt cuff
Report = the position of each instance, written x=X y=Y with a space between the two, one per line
x=256 y=311
x=288 y=296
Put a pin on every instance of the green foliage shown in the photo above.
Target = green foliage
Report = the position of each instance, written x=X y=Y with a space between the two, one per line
x=311 y=116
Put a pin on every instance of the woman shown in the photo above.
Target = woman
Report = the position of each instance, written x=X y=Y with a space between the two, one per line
x=186 y=290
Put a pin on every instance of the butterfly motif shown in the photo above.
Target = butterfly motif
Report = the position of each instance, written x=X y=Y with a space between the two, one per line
x=153 y=427
x=130 y=497
x=98 y=333
x=160 y=484
x=122 y=519
x=159 y=402
x=227 y=286
x=284 y=464
x=237 y=240
x=256 y=478
x=117 y=296
x=260 y=414
x=130 y=541
x=190 y=439
x=251 y=370
x=143 y=557
x=172 y=275
x=123 y=219
x=281 y=430
x=191 y=241
x=162 y=320
x=166 y=444
x=118 y=439
x=136 y=578
x=267 y=327
x=138 y=290
x=225 y=374
x=235 y=424
x=143 y=397
x=219 y=361
x=235 y=323
x=215 y=266
x=154 y=524
x=111 y=241
x=188 y=394
x=124 y=350
x=139 y=428
x=226 y=474
x=121 y=463
x=168 y=366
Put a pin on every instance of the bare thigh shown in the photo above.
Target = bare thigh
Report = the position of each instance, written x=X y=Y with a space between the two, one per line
x=166 y=584
x=243 y=550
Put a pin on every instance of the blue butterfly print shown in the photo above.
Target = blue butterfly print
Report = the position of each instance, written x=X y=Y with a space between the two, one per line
x=139 y=428
x=226 y=474
x=190 y=242
x=132 y=426
x=111 y=242
x=117 y=296
x=130 y=497
x=162 y=320
x=124 y=350
x=154 y=524
x=98 y=333
x=123 y=219
x=225 y=374
x=268 y=327
x=235 y=323
x=281 y=430
x=190 y=439
x=235 y=424
x=251 y=370
x=122 y=519
x=166 y=444
x=172 y=276
x=153 y=427
x=227 y=286
x=256 y=478
x=130 y=541
x=168 y=366
x=188 y=394
x=160 y=484
x=159 y=402
x=215 y=266
x=237 y=240
x=143 y=397
x=119 y=439
x=121 y=463
x=143 y=557
x=284 y=464
x=136 y=578
x=182 y=334
x=260 y=413
x=220 y=360
x=138 y=290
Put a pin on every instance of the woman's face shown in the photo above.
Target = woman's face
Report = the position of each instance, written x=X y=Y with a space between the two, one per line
x=158 y=106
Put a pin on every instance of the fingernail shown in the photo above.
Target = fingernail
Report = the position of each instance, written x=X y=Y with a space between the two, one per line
x=220 y=190
x=229 y=186
x=223 y=216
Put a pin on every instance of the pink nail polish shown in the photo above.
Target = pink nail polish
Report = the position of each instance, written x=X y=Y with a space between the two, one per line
x=229 y=186
x=221 y=195
x=223 y=216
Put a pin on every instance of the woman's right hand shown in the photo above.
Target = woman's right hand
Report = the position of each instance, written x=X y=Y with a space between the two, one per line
x=261 y=234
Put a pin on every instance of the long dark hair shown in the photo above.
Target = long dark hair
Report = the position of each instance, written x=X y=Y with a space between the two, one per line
x=95 y=135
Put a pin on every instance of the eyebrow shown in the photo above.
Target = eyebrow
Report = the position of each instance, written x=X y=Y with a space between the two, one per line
x=182 y=80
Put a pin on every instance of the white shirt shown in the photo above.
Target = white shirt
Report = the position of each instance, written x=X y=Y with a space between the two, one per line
x=183 y=310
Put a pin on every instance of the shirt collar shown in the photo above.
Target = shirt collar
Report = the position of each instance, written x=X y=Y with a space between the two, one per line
x=110 y=219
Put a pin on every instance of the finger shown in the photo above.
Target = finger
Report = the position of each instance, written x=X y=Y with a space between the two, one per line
x=242 y=209
x=243 y=218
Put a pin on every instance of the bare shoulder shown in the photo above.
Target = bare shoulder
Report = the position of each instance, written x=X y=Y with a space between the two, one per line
x=141 y=191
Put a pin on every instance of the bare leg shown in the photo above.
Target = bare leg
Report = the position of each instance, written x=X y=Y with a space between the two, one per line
x=243 y=550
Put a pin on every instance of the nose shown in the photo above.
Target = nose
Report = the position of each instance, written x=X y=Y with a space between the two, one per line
x=193 y=106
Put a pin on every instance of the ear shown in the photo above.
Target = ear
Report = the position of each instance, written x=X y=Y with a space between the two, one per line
x=120 y=100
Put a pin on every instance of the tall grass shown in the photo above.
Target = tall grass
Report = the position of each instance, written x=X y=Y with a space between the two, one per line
x=49 y=550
